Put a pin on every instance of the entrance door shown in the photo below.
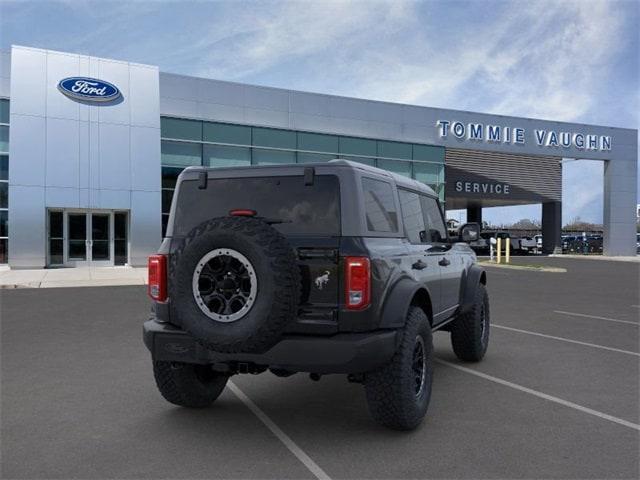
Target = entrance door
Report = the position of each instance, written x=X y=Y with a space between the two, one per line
x=100 y=239
x=77 y=240
x=87 y=238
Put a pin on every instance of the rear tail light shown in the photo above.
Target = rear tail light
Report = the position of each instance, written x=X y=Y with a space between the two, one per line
x=157 y=287
x=357 y=282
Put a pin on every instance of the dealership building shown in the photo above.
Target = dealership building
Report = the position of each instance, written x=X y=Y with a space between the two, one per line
x=90 y=150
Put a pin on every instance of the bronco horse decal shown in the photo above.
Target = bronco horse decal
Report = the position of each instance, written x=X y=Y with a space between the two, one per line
x=322 y=280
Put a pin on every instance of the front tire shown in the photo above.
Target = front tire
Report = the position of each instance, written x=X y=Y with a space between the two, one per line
x=398 y=394
x=470 y=331
x=188 y=385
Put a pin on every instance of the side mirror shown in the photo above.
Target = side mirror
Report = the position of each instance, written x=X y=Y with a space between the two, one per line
x=435 y=236
x=469 y=232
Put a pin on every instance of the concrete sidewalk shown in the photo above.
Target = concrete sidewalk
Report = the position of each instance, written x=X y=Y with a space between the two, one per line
x=635 y=259
x=73 y=277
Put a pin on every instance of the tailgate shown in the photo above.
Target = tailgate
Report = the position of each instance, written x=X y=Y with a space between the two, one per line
x=321 y=283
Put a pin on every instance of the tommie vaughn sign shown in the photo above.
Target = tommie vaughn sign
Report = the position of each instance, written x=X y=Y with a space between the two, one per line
x=478 y=132
x=88 y=89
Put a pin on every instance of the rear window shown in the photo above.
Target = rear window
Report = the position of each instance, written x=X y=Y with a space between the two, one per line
x=304 y=210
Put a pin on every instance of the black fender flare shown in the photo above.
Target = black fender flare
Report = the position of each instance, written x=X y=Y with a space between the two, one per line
x=396 y=307
x=475 y=276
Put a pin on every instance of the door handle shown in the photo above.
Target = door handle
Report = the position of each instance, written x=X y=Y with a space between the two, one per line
x=444 y=262
x=419 y=265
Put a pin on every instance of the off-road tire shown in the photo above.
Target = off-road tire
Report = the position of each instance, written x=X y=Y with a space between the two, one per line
x=278 y=280
x=470 y=331
x=391 y=390
x=187 y=384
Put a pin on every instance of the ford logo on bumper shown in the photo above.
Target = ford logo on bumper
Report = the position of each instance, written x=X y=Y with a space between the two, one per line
x=176 y=348
x=88 y=89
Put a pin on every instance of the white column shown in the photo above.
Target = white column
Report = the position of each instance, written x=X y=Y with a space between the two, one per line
x=620 y=199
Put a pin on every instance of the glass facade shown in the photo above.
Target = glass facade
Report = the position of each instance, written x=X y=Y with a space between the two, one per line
x=4 y=180
x=194 y=142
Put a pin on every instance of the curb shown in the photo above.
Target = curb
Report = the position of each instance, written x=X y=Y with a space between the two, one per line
x=601 y=258
x=72 y=284
x=13 y=286
x=523 y=267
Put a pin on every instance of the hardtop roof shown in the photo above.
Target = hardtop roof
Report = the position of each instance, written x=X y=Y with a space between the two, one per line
x=399 y=180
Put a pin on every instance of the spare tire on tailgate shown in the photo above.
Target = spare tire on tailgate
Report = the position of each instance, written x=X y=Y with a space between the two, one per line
x=234 y=284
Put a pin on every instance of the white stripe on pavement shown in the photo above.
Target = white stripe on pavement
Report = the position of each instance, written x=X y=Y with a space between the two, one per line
x=545 y=396
x=283 y=437
x=602 y=347
x=573 y=314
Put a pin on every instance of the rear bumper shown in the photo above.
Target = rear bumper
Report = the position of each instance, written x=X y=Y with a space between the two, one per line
x=341 y=353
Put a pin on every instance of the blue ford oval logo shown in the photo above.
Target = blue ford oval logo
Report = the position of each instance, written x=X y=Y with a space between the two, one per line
x=89 y=89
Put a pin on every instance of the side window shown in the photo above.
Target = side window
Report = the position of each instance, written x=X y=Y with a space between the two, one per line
x=436 y=230
x=380 y=208
x=412 y=216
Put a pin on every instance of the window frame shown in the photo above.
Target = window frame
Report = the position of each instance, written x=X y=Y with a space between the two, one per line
x=399 y=232
x=164 y=141
x=208 y=147
x=447 y=240
x=409 y=163
x=424 y=223
x=6 y=101
x=194 y=124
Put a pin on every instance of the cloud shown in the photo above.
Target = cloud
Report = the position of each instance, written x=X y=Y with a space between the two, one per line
x=570 y=60
x=537 y=59
x=267 y=36
x=555 y=66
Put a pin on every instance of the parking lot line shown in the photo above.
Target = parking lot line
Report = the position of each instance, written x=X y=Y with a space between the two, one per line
x=545 y=396
x=277 y=431
x=563 y=339
x=574 y=314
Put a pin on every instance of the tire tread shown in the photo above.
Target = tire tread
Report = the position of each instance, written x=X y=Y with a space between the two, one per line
x=390 y=402
x=466 y=330
x=182 y=387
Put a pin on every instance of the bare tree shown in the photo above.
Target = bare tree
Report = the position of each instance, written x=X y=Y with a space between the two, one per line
x=526 y=224
x=579 y=225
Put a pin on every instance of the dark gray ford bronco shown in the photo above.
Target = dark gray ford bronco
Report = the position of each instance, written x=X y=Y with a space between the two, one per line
x=322 y=268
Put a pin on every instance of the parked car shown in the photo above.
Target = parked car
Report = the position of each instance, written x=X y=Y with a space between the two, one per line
x=480 y=246
x=538 y=239
x=323 y=268
x=568 y=243
x=582 y=244
x=528 y=245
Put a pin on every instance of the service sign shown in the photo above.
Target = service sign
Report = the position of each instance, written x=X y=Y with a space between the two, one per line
x=88 y=89
x=485 y=188
x=478 y=132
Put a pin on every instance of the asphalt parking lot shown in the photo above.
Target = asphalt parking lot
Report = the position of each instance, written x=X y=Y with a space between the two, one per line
x=556 y=397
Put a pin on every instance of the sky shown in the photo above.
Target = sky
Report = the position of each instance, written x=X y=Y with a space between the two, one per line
x=558 y=60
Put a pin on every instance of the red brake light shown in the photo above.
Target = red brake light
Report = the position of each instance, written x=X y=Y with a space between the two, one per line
x=357 y=282
x=157 y=288
x=240 y=212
